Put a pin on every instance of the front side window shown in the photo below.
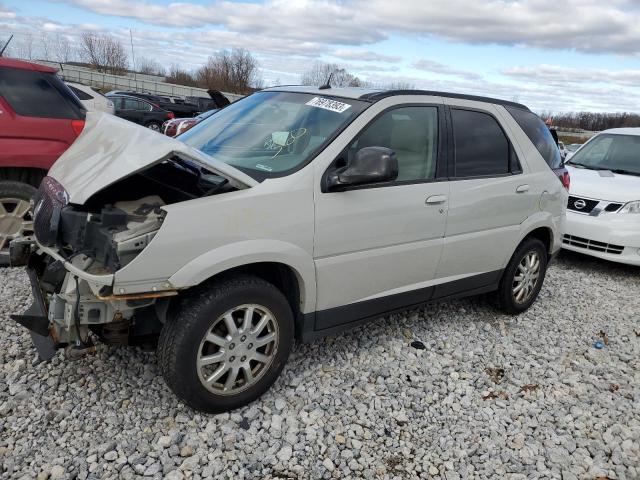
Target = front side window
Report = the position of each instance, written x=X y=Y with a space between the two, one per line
x=130 y=104
x=271 y=134
x=481 y=147
x=618 y=153
x=412 y=133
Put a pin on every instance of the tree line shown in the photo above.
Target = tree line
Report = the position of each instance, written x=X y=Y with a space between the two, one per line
x=591 y=121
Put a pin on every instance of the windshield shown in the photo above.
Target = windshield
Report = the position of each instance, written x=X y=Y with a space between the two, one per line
x=271 y=134
x=619 y=153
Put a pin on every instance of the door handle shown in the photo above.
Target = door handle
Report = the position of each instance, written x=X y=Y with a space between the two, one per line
x=436 y=199
x=522 y=189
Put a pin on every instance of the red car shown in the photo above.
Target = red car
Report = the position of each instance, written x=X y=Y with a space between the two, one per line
x=39 y=119
x=176 y=126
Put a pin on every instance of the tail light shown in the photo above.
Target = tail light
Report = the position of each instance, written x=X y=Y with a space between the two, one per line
x=565 y=178
x=170 y=115
x=77 y=126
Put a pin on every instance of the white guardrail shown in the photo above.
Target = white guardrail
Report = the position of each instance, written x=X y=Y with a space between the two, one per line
x=132 y=82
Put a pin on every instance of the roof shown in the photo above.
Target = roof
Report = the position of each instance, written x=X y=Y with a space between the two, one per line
x=374 y=94
x=22 y=65
x=343 y=92
x=623 y=131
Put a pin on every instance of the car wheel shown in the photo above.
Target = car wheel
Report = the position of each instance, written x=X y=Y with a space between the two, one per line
x=155 y=126
x=15 y=214
x=227 y=344
x=523 y=277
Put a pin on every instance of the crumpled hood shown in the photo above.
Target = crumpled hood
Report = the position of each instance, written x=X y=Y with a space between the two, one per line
x=604 y=185
x=110 y=149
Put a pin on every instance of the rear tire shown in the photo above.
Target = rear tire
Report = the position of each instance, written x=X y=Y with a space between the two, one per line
x=227 y=343
x=523 y=278
x=15 y=215
x=155 y=126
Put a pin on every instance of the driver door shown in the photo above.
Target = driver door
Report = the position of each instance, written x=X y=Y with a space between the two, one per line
x=377 y=247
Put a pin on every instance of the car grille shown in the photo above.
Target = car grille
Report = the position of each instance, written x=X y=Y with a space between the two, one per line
x=582 y=205
x=49 y=200
x=592 y=245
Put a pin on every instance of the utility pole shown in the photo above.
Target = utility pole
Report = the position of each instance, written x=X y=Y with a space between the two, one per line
x=133 y=60
x=5 y=46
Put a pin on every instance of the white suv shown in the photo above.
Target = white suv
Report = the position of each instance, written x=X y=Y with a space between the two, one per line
x=291 y=214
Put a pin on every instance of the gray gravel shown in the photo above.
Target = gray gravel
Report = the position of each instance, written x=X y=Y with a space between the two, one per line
x=490 y=396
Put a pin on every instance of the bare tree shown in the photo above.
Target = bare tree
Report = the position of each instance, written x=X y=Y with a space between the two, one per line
x=62 y=49
x=24 y=47
x=231 y=71
x=319 y=73
x=149 y=66
x=180 y=76
x=104 y=53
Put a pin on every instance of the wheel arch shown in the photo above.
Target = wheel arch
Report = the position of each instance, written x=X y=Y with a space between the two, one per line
x=287 y=266
x=284 y=277
x=545 y=235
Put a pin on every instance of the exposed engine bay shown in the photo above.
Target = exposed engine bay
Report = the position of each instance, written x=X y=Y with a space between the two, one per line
x=99 y=238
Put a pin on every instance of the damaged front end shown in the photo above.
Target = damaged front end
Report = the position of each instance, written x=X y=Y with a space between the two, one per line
x=71 y=263
x=88 y=226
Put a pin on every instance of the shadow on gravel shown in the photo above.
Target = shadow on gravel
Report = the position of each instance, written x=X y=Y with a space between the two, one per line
x=595 y=265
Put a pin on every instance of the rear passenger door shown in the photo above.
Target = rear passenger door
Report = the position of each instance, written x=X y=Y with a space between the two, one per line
x=490 y=196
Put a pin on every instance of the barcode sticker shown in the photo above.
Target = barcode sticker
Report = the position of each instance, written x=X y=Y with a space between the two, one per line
x=332 y=105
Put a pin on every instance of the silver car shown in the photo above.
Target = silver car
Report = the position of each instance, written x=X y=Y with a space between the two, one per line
x=291 y=214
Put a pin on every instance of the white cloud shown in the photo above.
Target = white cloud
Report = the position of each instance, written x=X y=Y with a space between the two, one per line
x=365 y=56
x=560 y=76
x=6 y=14
x=581 y=25
x=442 y=69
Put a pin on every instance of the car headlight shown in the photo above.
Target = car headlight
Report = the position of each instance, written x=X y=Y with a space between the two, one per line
x=631 y=207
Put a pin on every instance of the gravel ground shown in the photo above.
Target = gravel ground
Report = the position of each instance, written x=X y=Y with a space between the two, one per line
x=490 y=396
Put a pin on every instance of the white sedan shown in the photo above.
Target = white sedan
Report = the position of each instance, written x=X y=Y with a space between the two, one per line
x=91 y=99
x=603 y=213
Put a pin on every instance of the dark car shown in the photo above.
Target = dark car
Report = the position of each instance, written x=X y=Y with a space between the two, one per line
x=140 y=111
x=39 y=119
x=215 y=101
x=180 y=109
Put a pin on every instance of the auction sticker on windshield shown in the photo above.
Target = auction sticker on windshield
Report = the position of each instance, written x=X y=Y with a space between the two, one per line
x=327 y=104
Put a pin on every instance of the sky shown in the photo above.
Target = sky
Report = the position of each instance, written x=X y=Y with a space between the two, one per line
x=559 y=56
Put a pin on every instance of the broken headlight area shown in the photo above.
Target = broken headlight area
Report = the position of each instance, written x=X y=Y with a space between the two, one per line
x=118 y=222
x=113 y=236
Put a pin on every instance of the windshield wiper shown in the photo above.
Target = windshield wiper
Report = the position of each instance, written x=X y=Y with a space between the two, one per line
x=622 y=171
x=582 y=165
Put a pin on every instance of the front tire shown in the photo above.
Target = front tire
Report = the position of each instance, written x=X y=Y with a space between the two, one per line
x=15 y=214
x=523 y=278
x=227 y=344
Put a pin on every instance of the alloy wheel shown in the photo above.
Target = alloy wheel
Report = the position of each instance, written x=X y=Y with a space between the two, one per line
x=15 y=220
x=527 y=276
x=238 y=349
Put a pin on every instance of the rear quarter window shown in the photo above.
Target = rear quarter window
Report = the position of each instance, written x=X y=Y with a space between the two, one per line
x=37 y=94
x=79 y=93
x=539 y=135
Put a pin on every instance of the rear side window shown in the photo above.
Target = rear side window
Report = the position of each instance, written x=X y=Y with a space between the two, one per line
x=37 y=94
x=481 y=147
x=79 y=93
x=539 y=135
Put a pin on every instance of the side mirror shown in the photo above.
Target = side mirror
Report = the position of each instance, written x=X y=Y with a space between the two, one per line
x=370 y=165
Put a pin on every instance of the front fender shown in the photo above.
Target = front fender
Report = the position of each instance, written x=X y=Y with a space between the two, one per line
x=245 y=253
